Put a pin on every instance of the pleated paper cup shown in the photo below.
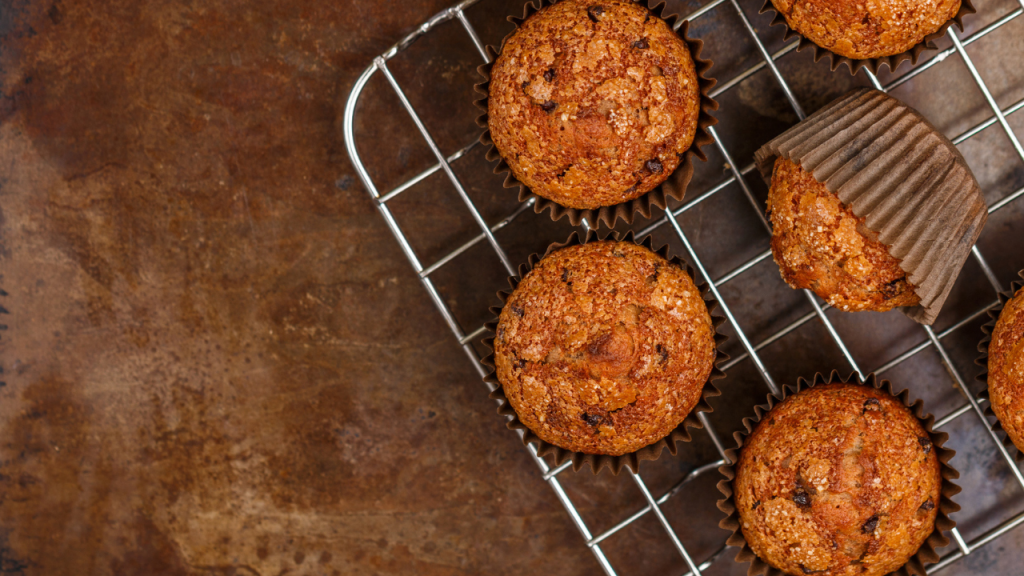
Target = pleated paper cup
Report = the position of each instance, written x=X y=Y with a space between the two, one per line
x=872 y=64
x=982 y=361
x=598 y=462
x=672 y=188
x=926 y=554
x=894 y=169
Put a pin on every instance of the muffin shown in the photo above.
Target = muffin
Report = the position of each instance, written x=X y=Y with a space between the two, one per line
x=872 y=207
x=838 y=479
x=1006 y=369
x=593 y=104
x=604 y=348
x=821 y=245
x=862 y=30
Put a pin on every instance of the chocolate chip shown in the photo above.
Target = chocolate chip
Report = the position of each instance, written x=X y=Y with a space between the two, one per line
x=928 y=506
x=926 y=443
x=647 y=19
x=641 y=44
x=548 y=105
x=662 y=351
x=870 y=525
x=871 y=402
x=892 y=289
x=591 y=419
x=517 y=311
x=756 y=504
x=593 y=12
x=565 y=274
x=520 y=363
x=525 y=85
x=549 y=75
x=802 y=498
x=654 y=166
x=809 y=571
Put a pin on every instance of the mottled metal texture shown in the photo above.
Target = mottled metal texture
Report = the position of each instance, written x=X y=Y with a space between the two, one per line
x=217 y=360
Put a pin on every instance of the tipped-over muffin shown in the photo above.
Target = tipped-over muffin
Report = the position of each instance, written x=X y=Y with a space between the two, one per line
x=593 y=104
x=1006 y=369
x=867 y=29
x=821 y=245
x=604 y=348
x=839 y=479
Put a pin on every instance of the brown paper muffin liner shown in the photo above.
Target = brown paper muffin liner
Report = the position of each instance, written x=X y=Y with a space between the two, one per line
x=872 y=64
x=893 y=168
x=982 y=361
x=925 y=555
x=599 y=461
x=674 y=187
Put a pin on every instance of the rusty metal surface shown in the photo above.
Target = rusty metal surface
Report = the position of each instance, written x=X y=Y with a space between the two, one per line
x=217 y=360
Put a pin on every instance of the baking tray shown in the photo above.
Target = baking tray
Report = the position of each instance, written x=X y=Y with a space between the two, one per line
x=418 y=96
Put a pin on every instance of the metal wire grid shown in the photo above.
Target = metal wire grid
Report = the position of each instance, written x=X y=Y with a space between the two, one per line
x=934 y=339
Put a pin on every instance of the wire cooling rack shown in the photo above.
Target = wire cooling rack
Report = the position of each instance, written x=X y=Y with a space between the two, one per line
x=736 y=175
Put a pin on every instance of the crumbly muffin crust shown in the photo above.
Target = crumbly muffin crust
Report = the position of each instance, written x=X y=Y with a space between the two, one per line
x=867 y=28
x=839 y=479
x=604 y=348
x=820 y=244
x=593 y=103
x=1006 y=369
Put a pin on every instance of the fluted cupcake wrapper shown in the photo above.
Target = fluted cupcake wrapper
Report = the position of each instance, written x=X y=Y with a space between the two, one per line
x=597 y=462
x=926 y=554
x=988 y=329
x=674 y=187
x=872 y=64
x=893 y=168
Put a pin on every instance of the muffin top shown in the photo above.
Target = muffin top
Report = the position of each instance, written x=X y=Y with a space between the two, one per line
x=839 y=479
x=820 y=244
x=867 y=28
x=604 y=348
x=593 y=104
x=1006 y=369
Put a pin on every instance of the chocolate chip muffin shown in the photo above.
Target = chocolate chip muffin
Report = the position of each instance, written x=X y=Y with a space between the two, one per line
x=1006 y=369
x=862 y=30
x=604 y=348
x=821 y=245
x=593 y=104
x=838 y=479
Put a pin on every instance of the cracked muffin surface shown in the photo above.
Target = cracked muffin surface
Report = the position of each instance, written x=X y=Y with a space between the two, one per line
x=839 y=479
x=867 y=28
x=604 y=348
x=821 y=245
x=1006 y=369
x=593 y=104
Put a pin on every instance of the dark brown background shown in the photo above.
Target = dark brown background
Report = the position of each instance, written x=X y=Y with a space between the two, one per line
x=217 y=360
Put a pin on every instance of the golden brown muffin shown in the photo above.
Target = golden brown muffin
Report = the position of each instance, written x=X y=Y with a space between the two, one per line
x=821 y=245
x=604 y=348
x=1006 y=369
x=862 y=29
x=839 y=479
x=593 y=103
